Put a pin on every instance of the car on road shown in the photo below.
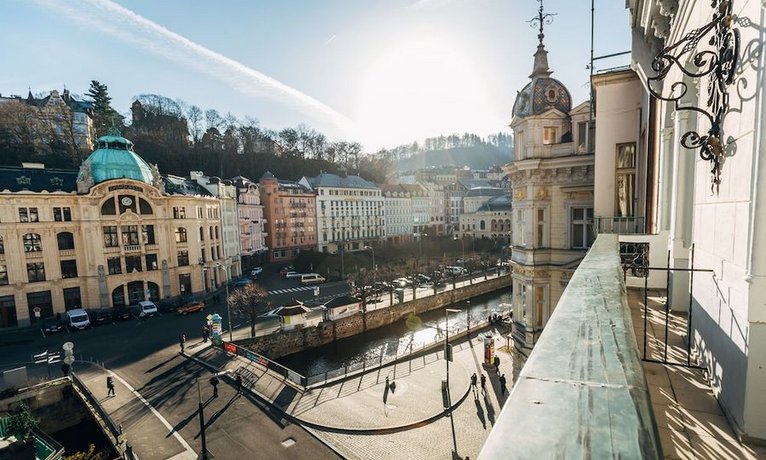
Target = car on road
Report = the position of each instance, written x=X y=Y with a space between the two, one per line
x=52 y=325
x=121 y=313
x=191 y=307
x=99 y=316
x=256 y=271
x=77 y=319
x=284 y=270
x=292 y=274
x=146 y=308
x=312 y=278
x=402 y=282
x=242 y=282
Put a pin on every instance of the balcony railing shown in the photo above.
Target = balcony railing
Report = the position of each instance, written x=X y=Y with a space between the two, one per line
x=582 y=392
x=132 y=248
x=627 y=225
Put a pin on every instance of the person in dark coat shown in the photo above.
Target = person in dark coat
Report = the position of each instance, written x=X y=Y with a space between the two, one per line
x=109 y=386
x=483 y=383
x=502 y=384
x=182 y=342
x=238 y=379
x=214 y=381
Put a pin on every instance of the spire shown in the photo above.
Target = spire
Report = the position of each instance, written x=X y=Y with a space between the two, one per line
x=542 y=19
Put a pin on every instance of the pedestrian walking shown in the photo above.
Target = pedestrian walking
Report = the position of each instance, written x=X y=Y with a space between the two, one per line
x=483 y=383
x=502 y=384
x=109 y=386
x=238 y=379
x=496 y=362
x=182 y=342
x=205 y=332
x=214 y=381
x=473 y=382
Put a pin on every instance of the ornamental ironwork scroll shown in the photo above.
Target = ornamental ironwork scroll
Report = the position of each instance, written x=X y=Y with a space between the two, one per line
x=718 y=62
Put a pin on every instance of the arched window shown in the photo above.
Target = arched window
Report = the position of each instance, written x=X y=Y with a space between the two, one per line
x=118 y=296
x=32 y=242
x=65 y=240
x=154 y=290
x=144 y=206
x=2 y=246
x=202 y=233
x=108 y=208
x=136 y=292
x=181 y=235
x=482 y=225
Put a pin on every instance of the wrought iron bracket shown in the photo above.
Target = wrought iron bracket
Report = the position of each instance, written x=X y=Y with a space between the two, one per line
x=718 y=62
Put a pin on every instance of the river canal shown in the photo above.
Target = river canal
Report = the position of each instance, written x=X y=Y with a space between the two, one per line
x=396 y=339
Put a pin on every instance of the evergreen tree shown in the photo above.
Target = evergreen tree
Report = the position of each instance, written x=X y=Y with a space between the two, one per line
x=104 y=116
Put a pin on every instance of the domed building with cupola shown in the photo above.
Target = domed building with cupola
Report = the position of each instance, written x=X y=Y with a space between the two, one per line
x=109 y=235
x=552 y=196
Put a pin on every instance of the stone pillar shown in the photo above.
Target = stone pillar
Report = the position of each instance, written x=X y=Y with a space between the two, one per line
x=666 y=179
x=682 y=212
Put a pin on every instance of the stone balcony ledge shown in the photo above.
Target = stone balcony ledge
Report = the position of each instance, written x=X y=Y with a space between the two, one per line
x=582 y=392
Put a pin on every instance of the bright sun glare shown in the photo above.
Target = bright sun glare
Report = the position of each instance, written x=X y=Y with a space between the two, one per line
x=418 y=89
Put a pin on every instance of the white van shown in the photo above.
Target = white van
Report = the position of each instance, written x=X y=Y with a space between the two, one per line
x=455 y=270
x=146 y=308
x=77 y=319
x=312 y=278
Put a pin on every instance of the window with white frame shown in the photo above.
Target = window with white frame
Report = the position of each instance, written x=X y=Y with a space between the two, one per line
x=625 y=182
x=581 y=231
x=541 y=305
x=549 y=135
x=519 y=233
x=541 y=236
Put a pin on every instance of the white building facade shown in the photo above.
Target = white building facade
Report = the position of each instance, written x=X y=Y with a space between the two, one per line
x=251 y=223
x=398 y=212
x=350 y=212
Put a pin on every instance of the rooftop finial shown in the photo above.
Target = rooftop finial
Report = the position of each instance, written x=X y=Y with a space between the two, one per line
x=542 y=19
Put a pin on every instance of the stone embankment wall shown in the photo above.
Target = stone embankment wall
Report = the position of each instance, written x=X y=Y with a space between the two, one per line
x=283 y=343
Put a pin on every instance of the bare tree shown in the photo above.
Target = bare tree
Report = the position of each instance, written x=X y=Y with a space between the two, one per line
x=249 y=302
x=194 y=115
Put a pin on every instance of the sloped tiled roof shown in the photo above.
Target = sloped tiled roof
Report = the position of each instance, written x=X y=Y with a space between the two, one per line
x=334 y=180
x=17 y=179
x=184 y=186
x=484 y=191
x=499 y=203
x=341 y=301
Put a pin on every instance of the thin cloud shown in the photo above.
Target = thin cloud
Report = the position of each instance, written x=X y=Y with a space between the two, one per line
x=330 y=40
x=124 y=24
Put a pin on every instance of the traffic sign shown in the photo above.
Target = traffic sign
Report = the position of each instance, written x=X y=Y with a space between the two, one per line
x=68 y=346
x=69 y=360
x=37 y=311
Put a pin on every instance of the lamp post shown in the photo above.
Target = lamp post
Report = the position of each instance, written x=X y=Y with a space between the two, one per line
x=447 y=352
x=226 y=286
x=204 y=454
x=374 y=267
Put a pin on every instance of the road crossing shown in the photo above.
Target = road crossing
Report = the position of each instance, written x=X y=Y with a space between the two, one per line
x=288 y=290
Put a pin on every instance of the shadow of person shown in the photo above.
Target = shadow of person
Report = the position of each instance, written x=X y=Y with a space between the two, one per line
x=490 y=410
x=480 y=414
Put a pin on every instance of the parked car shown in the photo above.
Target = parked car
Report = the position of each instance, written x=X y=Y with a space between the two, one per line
x=402 y=282
x=77 y=319
x=190 y=307
x=121 y=313
x=256 y=271
x=146 y=308
x=101 y=316
x=292 y=274
x=286 y=269
x=52 y=325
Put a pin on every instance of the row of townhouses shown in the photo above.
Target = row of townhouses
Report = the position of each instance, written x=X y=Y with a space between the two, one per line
x=117 y=231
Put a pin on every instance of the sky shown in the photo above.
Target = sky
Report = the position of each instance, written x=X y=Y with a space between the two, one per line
x=382 y=73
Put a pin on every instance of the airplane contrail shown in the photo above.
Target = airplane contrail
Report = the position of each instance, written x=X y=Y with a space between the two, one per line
x=120 y=22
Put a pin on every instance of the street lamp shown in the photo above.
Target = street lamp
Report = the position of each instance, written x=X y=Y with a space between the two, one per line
x=204 y=454
x=374 y=267
x=228 y=310
x=447 y=351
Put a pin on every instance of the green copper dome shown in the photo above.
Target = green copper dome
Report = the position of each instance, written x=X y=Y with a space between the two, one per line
x=114 y=158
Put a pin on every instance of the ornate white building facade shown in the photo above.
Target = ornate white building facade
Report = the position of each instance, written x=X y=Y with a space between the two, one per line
x=552 y=185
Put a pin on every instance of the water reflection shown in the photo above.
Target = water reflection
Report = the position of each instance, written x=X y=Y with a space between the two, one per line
x=396 y=339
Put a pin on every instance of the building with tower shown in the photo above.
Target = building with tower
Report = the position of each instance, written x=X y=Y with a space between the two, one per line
x=552 y=196
x=108 y=235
